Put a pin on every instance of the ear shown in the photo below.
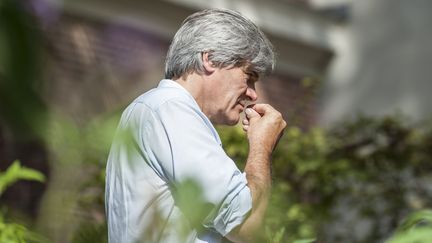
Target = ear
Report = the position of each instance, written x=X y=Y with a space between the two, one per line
x=208 y=65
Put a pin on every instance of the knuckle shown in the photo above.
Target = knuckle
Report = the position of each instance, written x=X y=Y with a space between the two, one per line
x=278 y=115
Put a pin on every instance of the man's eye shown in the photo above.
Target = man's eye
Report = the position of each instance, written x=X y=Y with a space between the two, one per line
x=249 y=76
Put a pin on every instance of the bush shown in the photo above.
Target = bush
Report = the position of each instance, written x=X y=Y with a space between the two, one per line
x=353 y=183
x=13 y=232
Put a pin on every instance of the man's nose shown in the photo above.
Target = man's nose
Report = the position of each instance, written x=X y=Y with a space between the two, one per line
x=251 y=94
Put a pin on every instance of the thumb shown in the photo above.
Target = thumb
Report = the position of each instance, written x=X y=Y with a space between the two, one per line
x=251 y=114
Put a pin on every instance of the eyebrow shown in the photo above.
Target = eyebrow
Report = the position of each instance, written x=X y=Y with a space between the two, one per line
x=253 y=75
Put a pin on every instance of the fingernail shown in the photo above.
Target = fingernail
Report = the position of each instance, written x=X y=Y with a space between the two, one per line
x=248 y=111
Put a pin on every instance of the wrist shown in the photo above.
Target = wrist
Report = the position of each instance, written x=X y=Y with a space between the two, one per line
x=262 y=149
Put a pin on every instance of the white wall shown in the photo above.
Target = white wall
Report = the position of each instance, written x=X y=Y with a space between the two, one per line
x=383 y=62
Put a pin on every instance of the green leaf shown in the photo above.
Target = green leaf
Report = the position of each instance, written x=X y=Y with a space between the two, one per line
x=417 y=219
x=17 y=233
x=421 y=235
x=417 y=227
x=304 y=241
x=279 y=235
x=17 y=172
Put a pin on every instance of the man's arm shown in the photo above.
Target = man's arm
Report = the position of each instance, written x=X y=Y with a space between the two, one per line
x=264 y=126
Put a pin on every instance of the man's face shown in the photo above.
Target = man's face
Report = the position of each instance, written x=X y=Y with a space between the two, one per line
x=228 y=92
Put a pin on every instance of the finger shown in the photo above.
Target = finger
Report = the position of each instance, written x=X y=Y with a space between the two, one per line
x=245 y=122
x=245 y=128
x=251 y=114
x=263 y=108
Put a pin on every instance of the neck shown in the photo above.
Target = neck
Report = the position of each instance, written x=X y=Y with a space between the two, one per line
x=195 y=85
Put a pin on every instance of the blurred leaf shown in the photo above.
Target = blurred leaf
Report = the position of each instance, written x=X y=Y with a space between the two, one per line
x=417 y=227
x=16 y=172
x=421 y=218
x=305 y=241
x=278 y=237
x=90 y=232
x=189 y=198
x=17 y=233
x=420 y=235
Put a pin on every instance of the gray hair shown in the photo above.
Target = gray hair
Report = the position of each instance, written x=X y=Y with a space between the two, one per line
x=228 y=37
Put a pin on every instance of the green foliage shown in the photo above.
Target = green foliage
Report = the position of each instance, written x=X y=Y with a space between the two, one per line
x=417 y=227
x=17 y=172
x=16 y=233
x=90 y=232
x=296 y=158
x=299 y=166
x=235 y=143
x=370 y=171
x=414 y=236
x=305 y=241
x=12 y=232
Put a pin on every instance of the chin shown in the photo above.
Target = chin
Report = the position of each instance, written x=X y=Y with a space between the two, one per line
x=232 y=121
x=227 y=121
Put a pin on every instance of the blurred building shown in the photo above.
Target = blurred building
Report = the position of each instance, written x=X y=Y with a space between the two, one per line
x=336 y=58
x=382 y=62
x=118 y=48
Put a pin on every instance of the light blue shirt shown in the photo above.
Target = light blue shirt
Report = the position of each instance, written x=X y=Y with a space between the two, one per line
x=164 y=139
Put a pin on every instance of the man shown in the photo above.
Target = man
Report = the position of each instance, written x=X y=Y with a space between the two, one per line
x=211 y=68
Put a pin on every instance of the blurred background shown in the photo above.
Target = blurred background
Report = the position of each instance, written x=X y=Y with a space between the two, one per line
x=352 y=80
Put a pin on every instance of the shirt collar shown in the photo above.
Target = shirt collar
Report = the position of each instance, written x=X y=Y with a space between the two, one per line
x=169 y=83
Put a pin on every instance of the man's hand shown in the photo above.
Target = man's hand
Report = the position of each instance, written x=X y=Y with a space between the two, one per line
x=264 y=126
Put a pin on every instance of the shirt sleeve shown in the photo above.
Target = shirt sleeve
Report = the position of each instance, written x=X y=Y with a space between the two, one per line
x=185 y=148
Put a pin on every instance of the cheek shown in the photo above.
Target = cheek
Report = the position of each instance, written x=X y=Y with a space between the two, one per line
x=241 y=93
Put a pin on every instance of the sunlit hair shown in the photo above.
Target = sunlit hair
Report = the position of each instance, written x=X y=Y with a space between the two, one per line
x=228 y=37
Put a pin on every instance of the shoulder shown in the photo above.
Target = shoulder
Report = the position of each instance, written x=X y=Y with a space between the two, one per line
x=169 y=99
x=161 y=96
